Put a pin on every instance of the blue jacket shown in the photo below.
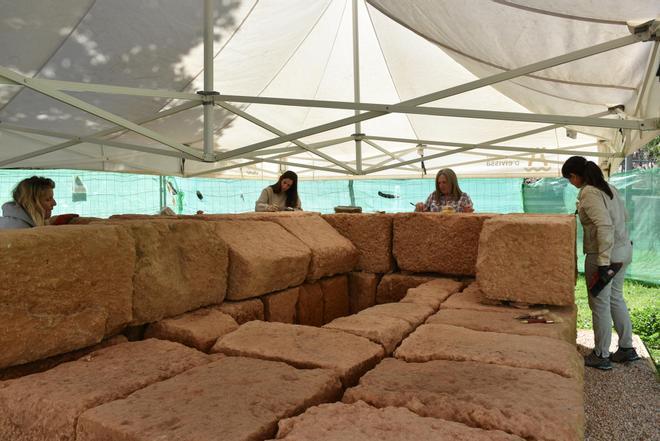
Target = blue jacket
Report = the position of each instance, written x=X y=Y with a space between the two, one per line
x=13 y=216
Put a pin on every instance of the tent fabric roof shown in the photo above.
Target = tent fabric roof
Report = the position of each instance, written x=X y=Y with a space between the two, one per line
x=303 y=50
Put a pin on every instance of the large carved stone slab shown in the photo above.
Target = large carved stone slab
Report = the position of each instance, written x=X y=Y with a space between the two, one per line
x=332 y=253
x=362 y=288
x=446 y=342
x=347 y=355
x=281 y=306
x=243 y=311
x=45 y=406
x=198 y=329
x=386 y=331
x=528 y=259
x=233 y=399
x=412 y=313
x=472 y=298
x=533 y=404
x=393 y=287
x=372 y=236
x=335 y=297
x=181 y=266
x=503 y=322
x=62 y=289
x=432 y=293
x=310 y=305
x=437 y=242
x=263 y=258
x=361 y=422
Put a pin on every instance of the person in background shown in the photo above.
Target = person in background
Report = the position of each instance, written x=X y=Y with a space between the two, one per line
x=447 y=194
x=607 y=246
x=32 y=204
x=283 y=195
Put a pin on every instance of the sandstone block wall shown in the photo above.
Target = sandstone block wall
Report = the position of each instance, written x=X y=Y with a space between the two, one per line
x=386 y=331
x=372 y=236
x=181 y=266
x=309 y=309
x=528 y=259
x=438 y=243
x=281 y=306
x=263 y=258
x=433 y=293
x=243 y=311
x=62 y=289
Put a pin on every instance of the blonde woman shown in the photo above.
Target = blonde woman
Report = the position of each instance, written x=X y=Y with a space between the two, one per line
x=447 y=194
x=32 y=205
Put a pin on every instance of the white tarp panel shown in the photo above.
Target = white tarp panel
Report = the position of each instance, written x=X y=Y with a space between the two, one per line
x=303 y=49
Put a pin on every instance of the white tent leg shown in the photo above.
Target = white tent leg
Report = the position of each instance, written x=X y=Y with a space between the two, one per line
x=207 y=99
x=356 y=86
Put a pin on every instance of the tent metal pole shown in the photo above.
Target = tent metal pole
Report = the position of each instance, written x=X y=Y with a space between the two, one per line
x=96 y=111
x=207 y=94
x=263 y=124
x=106 y=132
x=388 y=153
x=356 y=86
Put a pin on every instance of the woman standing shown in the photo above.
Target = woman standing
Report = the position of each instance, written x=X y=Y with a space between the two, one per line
x=608 y=249
x=283 y=195
x=32 y=204
x=447 y=194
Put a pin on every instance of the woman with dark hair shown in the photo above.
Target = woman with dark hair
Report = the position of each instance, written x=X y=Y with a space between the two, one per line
x=608 y=252
x=32 y=204
x=283 y=195
x=447 y=195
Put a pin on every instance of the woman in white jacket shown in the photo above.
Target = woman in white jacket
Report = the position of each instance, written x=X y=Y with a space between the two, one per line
x=32 y=204
x=607 y=248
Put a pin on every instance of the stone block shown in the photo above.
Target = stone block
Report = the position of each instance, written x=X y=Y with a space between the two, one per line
x=472 y=298
x=181 y=266
x=432 y=293
x=281 y=306
x=393 y=287
x=386 y=331
x=335 y=297
x=372 y=236
x=243 y=311
x=438 y=242
x=332 y=253
x=62 y=289
x=48 y=363
x=263 y=258
x=533 y=404
x=362 y=288
x=349 y=356
x=412 y=313
x=446 y=342
x=361 y=422
x=46 y=406
x=504 y=322
x=310 y=304
x=528 y=259
x=234 y=398
x=198 y=329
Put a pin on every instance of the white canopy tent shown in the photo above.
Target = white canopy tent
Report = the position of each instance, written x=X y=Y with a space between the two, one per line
x=328 y=88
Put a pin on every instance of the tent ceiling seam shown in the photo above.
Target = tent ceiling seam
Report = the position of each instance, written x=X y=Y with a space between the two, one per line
x=59 y=46
x=557 y=14
x=450 y=48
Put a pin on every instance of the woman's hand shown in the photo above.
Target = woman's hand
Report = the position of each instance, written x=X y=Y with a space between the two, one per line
x=419 y=206
x=468 y=209
x=273 y=208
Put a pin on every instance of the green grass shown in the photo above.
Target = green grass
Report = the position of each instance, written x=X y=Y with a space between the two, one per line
x=638 y=296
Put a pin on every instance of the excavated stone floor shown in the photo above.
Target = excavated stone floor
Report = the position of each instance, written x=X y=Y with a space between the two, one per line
x=398 y=371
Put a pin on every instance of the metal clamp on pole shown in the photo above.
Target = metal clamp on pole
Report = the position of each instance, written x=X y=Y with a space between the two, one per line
x=647 y=31
x=358 y=136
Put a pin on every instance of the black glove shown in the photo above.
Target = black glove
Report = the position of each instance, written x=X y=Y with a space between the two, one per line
x=602 y=277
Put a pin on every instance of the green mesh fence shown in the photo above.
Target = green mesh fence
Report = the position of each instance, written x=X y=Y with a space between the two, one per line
x=103 y=194
x=640 y=190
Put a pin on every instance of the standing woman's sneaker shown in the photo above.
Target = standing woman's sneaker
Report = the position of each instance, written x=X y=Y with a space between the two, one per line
x=595 y=361
x=623 y=355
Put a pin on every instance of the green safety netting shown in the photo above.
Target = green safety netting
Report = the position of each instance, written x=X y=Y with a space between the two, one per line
x=103 y=194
